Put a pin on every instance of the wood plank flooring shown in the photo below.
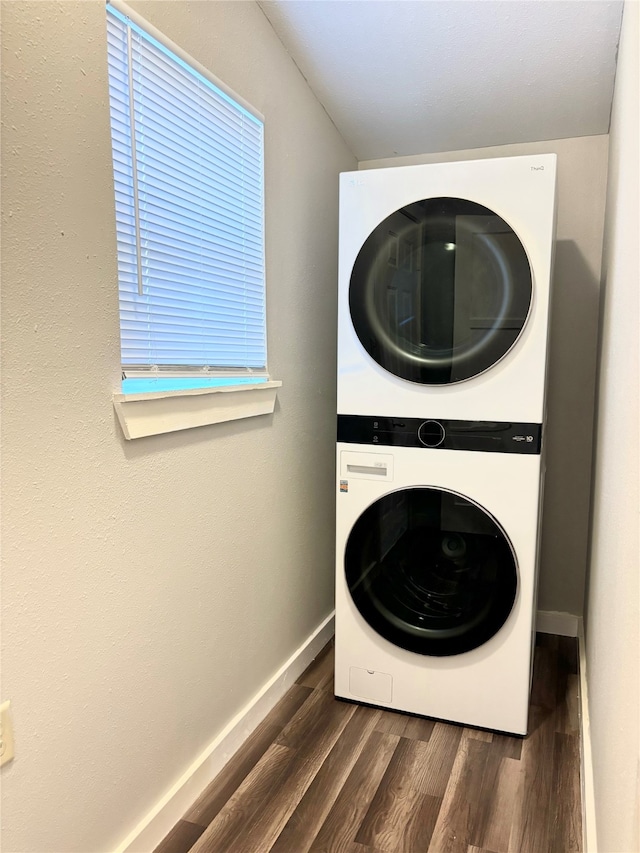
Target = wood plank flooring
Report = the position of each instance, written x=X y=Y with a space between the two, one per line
x=325 y=776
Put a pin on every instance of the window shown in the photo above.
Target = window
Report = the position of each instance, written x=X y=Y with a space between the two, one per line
x=188 y=176
x=188 y=170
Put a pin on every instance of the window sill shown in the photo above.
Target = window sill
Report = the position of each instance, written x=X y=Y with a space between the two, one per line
x=158 y=412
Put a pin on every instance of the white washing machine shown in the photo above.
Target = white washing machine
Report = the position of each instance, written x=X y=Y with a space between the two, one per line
x=444 y=284
x=436 y=555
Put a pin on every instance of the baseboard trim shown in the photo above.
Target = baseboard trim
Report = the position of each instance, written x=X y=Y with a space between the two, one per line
x=556 y=622
x=589 y=836
x=159 y=821
x=568 y=625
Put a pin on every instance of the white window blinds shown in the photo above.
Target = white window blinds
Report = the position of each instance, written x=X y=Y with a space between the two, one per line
x=188 y=171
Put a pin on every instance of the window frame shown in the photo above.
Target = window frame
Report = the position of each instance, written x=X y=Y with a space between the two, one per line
x=156 y=406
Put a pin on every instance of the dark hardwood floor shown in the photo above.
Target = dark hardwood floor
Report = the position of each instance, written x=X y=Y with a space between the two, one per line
x=323 y=775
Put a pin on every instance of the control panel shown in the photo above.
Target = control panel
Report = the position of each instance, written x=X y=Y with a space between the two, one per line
x=488 y=436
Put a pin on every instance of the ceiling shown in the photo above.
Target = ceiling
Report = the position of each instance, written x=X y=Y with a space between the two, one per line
x=404 y=77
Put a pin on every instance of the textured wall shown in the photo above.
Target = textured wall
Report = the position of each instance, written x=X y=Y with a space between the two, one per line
x=582 y=171
x=150 y=588
x=613 y=605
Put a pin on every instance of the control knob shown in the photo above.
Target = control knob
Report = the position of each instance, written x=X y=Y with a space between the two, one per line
x=431 y=433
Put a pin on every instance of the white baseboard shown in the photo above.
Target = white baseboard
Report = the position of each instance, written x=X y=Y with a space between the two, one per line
x=568 y=625
x=159 y=821
x=589 y=837
x=555 y=622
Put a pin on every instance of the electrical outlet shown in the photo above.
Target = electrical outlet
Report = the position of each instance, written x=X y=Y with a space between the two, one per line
x=6 y=733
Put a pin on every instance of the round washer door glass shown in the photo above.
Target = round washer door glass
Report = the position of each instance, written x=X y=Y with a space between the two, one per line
x=440 y=291
x=431 y=571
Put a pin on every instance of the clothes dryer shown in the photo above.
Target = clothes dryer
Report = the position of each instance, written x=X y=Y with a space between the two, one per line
x=444 y=288
x=436 y=567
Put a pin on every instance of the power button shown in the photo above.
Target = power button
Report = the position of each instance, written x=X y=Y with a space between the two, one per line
x=431 y=433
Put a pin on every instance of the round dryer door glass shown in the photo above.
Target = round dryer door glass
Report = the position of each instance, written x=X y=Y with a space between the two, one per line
x=431 y=571
x=440 y=291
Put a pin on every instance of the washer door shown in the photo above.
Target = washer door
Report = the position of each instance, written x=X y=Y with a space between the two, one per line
x=440 y=291
x=431 y=571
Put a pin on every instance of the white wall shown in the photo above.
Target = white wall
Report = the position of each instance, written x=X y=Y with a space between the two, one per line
x=613 y=607
x=582 y=172
x=151 y=587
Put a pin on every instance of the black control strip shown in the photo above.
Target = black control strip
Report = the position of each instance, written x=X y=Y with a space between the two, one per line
x=488 y=436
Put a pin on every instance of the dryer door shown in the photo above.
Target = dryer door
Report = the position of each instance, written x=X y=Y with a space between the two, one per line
x=431 y=571
x=440 y=291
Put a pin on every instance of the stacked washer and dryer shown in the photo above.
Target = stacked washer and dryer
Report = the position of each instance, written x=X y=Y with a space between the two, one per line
x=444 y=290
